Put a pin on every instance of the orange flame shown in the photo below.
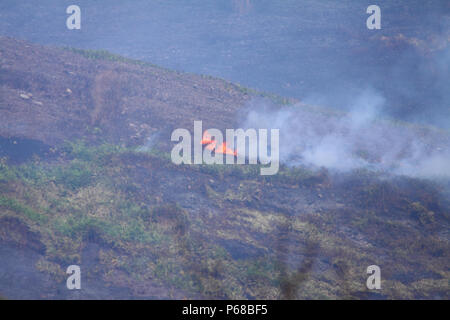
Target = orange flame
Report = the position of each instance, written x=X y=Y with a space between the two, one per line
x=212 y=145
x=207 y=139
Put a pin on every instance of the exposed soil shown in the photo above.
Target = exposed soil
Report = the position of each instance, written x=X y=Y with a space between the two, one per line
x=142 y=227
x=127 y=102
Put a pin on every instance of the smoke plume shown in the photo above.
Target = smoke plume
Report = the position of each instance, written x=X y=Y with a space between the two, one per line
x=361 y=138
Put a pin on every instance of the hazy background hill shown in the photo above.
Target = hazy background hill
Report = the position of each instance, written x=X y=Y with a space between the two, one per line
x=317 y=51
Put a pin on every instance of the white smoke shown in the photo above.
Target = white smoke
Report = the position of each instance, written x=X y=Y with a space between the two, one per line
x=360 y=138
x=150 y=143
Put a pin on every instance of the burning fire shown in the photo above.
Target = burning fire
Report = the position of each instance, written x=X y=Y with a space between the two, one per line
x=212 y=145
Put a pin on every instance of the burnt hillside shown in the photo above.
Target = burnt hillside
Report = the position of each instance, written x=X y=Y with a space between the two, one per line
x=127 y=100
x=76 y=187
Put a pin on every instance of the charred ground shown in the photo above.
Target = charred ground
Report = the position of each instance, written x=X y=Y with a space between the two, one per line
x=141 y=227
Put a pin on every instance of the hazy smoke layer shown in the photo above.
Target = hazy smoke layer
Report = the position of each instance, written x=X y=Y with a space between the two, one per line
x=319 y=51
x=361 y=138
